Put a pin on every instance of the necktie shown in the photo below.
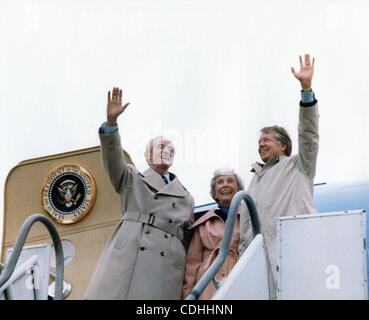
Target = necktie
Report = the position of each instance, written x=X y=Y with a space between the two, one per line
x=165 y=179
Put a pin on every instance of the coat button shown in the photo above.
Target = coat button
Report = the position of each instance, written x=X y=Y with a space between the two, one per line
x=142 y=248
x=147 y=231
x=166 y=236
x=173 y=204
x=155 y=197
x=162 y=253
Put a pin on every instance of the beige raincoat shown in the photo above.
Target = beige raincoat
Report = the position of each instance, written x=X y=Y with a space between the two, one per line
x=284 y=186
x=145 y=256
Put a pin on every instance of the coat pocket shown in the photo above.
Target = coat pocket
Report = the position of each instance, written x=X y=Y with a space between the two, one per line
x=127 y=233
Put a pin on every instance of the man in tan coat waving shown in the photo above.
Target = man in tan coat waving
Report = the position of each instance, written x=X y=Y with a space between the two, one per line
x=145 y=256
x=283 y=184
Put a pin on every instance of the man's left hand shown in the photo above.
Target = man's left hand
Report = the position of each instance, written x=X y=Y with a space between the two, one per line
x=305 y=75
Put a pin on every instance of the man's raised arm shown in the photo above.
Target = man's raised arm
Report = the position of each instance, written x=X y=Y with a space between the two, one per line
x=111 y=148
x=308 y=128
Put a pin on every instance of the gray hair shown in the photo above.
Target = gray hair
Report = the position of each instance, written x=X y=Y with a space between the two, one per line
x=149 y=146
x=281 y=136
x=221 y=172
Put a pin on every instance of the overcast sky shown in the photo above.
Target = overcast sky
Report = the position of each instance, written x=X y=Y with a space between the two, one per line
x=208 y=74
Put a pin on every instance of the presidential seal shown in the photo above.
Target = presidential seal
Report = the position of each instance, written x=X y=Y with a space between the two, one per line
x=68 y=193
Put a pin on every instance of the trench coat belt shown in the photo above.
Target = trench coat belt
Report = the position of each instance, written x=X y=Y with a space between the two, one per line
x=159 y=223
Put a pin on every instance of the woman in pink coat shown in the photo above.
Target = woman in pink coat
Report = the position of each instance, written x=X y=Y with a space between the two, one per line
x=208 y=233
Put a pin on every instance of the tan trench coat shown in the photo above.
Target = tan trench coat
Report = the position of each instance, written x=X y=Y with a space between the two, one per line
x=284 y=186
x=204 y=248
x=144 y=257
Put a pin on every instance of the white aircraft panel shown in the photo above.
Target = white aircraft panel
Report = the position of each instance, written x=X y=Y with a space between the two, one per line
x=322 y=256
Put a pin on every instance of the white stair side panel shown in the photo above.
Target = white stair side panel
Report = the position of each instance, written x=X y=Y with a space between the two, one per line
x=249 y=277
x=322 y=256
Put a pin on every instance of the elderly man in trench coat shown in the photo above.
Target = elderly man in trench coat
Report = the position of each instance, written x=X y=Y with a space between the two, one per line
x=145 y=256
x=283 y=184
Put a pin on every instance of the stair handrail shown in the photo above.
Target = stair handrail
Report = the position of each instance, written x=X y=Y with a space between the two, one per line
x=7 y=269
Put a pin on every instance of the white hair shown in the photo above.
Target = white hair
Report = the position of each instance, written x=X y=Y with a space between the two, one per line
x=149 y=146
x=224 y=171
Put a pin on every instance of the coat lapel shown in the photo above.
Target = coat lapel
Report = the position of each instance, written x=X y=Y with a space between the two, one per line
x=156 y=182
x=174 y=188
x=153 y=179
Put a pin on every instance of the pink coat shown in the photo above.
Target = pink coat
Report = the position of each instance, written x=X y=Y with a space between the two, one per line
x=204 y=248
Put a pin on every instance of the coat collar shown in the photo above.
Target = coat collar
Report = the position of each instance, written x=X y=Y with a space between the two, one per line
x=260 y=168
x=155 y=181
x=257 y=167
x=208 y=215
